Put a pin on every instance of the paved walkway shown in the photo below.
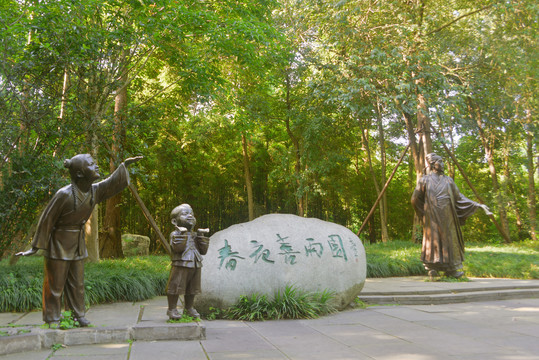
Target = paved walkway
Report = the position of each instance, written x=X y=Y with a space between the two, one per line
x=493 y=329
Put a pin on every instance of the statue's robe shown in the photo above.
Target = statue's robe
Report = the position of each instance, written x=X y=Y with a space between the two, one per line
x=442 y=209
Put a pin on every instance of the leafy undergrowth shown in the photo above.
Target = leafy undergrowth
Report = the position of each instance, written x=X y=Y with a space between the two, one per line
x=290 y=303
x=129 y=279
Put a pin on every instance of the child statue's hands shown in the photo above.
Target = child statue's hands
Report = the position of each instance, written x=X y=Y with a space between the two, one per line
x=203 y=232
x=181 y=229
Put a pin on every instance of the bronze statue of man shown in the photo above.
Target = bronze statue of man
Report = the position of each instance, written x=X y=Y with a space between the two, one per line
x=442 y=209
x=60 y=234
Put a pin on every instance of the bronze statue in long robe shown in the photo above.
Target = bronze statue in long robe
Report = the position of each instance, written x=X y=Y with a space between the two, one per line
x=442 y=209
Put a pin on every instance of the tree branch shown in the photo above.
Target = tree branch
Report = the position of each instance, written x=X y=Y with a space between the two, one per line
x=457 y=19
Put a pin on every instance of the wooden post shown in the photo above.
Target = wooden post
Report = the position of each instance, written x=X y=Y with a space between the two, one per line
x=383 y=190
x=149 y=218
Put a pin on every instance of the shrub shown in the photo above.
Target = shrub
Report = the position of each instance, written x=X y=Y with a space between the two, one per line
x=129 y=279
x=289 y=303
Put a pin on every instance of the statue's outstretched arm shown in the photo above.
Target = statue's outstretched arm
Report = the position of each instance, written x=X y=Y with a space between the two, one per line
x=131 y=160
x=32 y=251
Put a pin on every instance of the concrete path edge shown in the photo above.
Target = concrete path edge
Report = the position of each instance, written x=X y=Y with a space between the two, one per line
x=37 y=338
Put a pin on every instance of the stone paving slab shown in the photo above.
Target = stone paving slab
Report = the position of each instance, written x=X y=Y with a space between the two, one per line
x=111 y=323
x=117 y=314
x=416 y=290
x=498 y=331
x=501 y=329
x=166 y=350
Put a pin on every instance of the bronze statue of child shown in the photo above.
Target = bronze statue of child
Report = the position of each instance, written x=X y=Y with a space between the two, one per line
x=187 y=246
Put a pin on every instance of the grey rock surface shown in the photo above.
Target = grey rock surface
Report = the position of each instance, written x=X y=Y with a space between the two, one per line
x=135 y=245
x=277 y=250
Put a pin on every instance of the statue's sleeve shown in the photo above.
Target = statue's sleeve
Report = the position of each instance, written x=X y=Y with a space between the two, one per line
x=178 y=242
x=418 y=198
x=48 y=219
x=463 y=206
x=202 y=243
x=112 y=185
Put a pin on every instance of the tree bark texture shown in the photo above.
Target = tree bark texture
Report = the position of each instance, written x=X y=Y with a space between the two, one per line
x=248 y=178
x=383 y=201
x=489 y=153
x=531 y=179
x=110 y=244
x=297 y=150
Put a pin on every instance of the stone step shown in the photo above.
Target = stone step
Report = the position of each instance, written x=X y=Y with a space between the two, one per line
x=112 y=323
x=452 y=290
x=35 y=338
x=448 y=297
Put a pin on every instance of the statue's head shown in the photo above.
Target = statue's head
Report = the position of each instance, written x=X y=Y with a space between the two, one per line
x=82 y=167
x=183 y=216
x=435 y=162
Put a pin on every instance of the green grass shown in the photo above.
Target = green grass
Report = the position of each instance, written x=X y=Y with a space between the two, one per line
x=514 y=261
x=519 y=260
x=184 y=319
x=395 y=258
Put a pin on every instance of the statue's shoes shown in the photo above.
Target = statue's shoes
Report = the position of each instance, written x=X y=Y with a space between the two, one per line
x=174 y=314
x=454 y=274
x=83 y=322
x=192 y=313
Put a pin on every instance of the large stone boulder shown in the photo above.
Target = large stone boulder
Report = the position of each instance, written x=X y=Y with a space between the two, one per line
x=273 y=251
x=135 y=245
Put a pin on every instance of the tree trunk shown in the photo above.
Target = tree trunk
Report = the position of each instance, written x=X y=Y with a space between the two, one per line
x=489 y=153
x=248 y=179
x=383 y=201
x=300 y=199
x=450 y=167
x=383 y=225
x=423 y=124
x=419 y=164
x=509 y=181
x=110 y=244
x=91 y=228
x=91 y=234
x=372 y=230
x=64 y=94
x=531 y=177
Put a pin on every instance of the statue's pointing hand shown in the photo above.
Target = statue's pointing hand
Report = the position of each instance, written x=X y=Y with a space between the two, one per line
x=32 y=251
x=132 y=160
x=486 y=209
